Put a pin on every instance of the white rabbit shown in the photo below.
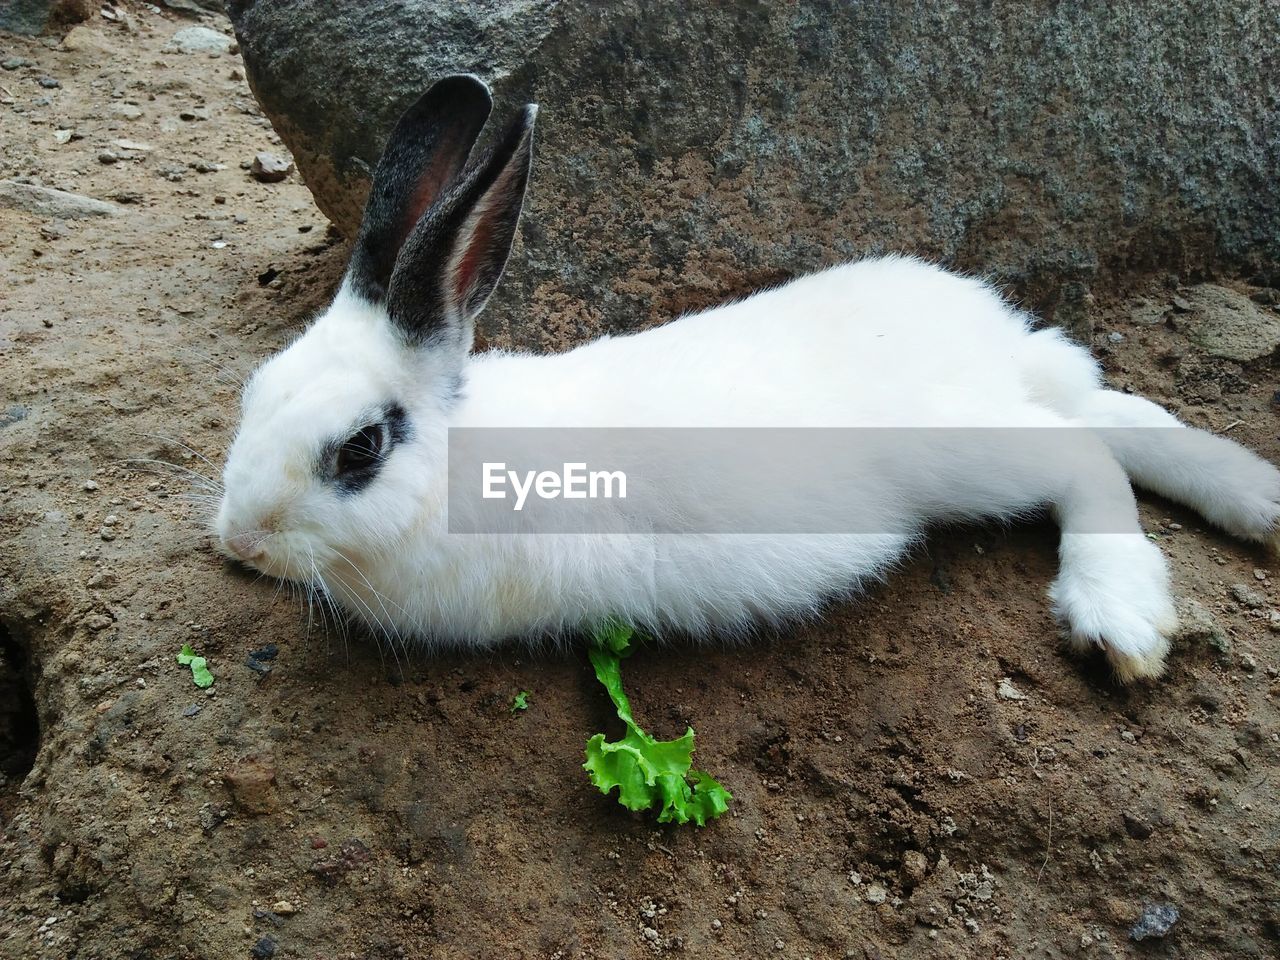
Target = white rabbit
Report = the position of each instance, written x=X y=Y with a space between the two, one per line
x=338 y=474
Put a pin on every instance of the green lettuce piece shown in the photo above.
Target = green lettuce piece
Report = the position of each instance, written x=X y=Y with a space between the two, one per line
x=647 y=773
x=520 y=701
x=200 y=674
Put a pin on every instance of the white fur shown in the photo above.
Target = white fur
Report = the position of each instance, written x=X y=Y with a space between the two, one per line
x=887 y=342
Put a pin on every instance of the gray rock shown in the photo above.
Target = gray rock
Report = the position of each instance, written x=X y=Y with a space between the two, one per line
x=199 y=40
x=1229 y=324
x=1156 y=921
x=47 y=202
x=690 y=152
x=1247 y=597
x=1197 y=625
x=269 y=168
x=36 y=16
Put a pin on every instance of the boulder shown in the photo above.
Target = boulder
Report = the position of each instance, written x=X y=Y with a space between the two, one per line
x=695 y=151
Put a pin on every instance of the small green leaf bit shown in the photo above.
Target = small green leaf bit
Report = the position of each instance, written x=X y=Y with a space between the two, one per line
x=648 y=773
x=520 y=701
x=200 y=674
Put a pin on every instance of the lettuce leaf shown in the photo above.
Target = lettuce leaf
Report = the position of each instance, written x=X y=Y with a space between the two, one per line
x=201 y=676
x=647 y=773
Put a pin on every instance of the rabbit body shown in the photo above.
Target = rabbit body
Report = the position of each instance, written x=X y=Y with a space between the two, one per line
x=884 y=343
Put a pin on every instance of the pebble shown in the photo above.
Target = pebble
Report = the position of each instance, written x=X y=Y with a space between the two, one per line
x=50 y=83
x=284 y=908
x=1115 y=337
x=62 y=136
x=876 y=893
x=1007 y=691
x=1247 y=597
x=192 y=710
x=91 y=485
x=914 y=867
x=269 y=652
x=1156 y=921
x=194 y=113
x=14 y=63
x=199 y=40
x=252 y=785
x=129 y=111
x=107 y=534
x=107 y=157
x=269 y=168
x=264 y=948
x=1136 y=826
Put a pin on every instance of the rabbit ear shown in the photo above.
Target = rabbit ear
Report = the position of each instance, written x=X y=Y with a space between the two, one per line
x=424 y=154
x=454 y=258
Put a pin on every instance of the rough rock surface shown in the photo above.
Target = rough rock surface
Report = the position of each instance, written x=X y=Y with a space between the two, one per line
x=34 y=16
x=1229 y=325
x=691 y=152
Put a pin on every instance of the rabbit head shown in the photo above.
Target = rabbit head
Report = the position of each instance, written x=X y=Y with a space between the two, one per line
x=341 y=444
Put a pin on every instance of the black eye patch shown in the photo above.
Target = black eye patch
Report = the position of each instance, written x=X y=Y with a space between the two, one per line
x=354 y=461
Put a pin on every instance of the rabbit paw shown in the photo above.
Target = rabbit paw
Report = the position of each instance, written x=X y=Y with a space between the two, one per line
x=1113 y=592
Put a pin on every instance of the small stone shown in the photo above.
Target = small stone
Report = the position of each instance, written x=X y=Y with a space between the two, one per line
x=107 y=157
x=172 y=173
x=133 y=146
x=1247 y=597
x=1259 y=575
x=1128 y=737
x=1007 y=691
x=284 y=908
x=62 y=136
x=1156 y=921
x=252 y=785
x=194 y=113
x=269 y=652
x=91 y=485
x=199 y=40
x=269 y=168
x=1115 y=337
x=650 y=934
x=1273 y=620
x=1181 y=304
x=107 y=534
x=263 y=949
x=876 y=893
x=50 y=83
x=206 y=166
x=1136 y=826
x=257 y=666
x=129 y=111
x=1197 y=624
x=914 y=867
x=192 y=710
x=14 y=63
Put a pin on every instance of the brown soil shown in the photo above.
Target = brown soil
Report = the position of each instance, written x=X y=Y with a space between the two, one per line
x=889 y=801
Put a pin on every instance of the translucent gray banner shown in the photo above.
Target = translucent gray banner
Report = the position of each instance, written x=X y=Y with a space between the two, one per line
x=883 y=480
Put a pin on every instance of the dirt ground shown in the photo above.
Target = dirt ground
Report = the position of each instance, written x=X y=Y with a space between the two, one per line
x=924 y=774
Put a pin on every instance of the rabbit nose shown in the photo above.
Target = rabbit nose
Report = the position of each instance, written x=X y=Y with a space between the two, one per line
x=246 y=546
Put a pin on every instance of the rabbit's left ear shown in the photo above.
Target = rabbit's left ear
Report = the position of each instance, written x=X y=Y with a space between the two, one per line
x=424 y=155
x=455 y=256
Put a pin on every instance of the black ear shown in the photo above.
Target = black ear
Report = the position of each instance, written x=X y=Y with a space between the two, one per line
x=424 y=154
x=455 y=256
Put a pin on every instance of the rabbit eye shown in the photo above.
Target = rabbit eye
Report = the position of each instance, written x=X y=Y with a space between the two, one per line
x=361 y=451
